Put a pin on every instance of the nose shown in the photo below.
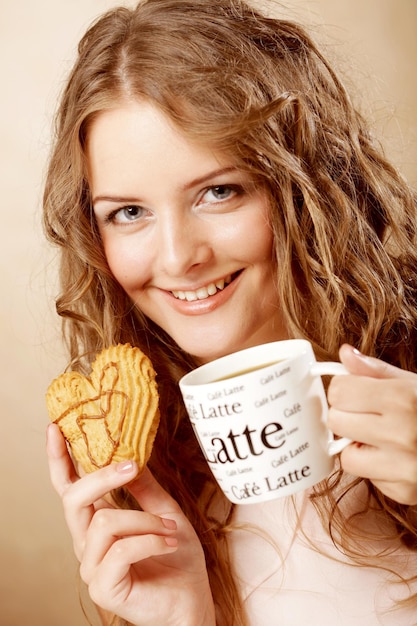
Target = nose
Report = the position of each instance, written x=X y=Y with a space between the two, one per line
x=183 y=244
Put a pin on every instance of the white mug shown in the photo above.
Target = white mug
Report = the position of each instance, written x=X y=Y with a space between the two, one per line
x=260 y=418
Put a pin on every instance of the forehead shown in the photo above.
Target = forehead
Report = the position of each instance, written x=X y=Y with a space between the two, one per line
x=136 y=138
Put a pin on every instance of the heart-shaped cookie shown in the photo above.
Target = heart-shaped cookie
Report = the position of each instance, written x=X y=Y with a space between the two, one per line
x=111 y=416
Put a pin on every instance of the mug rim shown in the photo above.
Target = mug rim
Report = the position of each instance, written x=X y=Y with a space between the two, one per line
x=299 y=348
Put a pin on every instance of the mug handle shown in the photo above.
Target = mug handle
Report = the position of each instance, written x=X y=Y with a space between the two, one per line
x=332 y=368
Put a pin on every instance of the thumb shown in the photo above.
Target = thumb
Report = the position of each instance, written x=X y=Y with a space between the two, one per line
x=151 y=497
x=359 y=364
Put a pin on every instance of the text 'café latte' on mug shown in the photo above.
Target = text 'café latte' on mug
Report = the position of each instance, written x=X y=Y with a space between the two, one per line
x=260 y=418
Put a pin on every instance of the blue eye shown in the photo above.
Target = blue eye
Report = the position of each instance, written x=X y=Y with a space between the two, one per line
x=129 y=213
x=220 y=193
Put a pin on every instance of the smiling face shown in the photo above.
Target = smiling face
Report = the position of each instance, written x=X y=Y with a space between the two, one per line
x=185 y=233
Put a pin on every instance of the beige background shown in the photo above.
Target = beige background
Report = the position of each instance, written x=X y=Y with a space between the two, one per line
x=374 y=41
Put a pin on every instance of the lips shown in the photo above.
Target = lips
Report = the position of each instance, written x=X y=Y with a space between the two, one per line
x=203 y=292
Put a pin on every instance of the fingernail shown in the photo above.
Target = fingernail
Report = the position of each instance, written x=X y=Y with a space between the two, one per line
x=172 y=542
x=359 y=354
x=170 y=524
x=49 y=430
x=125 y=467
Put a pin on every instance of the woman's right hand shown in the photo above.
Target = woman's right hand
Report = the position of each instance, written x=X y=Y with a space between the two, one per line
x=147 y=566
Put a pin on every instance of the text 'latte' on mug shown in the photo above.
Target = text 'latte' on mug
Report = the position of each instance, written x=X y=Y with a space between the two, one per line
x=260 y=416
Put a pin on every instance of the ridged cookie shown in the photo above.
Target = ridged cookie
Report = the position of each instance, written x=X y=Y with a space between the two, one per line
x=111 y=416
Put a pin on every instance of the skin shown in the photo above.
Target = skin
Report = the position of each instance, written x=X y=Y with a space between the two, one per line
x=148 y=566
x=377 y=406
x=175 y=218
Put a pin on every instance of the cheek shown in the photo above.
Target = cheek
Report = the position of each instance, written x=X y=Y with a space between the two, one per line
x=258 y=233
x=128 y=268
x=260 y=243
x=249 y=237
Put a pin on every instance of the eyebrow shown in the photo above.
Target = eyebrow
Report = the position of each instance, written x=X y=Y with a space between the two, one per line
x=206 y=177
x=193 y=183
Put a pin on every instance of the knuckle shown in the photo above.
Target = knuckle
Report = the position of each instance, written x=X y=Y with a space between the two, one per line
x=120 y=550
x=69 y=499
x=101 y=518
x=143 y=545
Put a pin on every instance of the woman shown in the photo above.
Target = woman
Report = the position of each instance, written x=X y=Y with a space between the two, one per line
x=212 y=188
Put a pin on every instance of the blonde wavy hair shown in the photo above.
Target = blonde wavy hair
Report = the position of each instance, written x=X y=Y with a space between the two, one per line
x=344 y=223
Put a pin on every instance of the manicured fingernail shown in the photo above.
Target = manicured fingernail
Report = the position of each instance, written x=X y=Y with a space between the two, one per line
x=125 y=467
x=170 y=524
x=359 y=354
x=172 y=542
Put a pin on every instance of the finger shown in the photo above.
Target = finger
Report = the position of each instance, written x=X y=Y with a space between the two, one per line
x=61 y=467
x=360 y=427
x=395 y=475
x=372 y=395
x=114 y=575
x=80 y=500
x=362 y=365
x=396 y=429
x=84 y=496
x=109 y=525
x=373 y=463
x=151 y=496
x=64 y=479
x=99 y=483
x=356 y=393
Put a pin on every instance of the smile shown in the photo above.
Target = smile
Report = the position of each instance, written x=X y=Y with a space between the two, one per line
x=203 y=292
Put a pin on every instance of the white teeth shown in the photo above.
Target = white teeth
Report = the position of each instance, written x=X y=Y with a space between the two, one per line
x=203 y=292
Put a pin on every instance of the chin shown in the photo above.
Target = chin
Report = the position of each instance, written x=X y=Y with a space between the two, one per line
x=207 y=355
x=212 y=354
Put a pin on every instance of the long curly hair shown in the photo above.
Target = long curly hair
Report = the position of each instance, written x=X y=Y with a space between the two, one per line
x=344 y=221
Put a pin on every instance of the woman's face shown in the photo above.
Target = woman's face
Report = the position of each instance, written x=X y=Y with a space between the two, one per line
x=185 y=233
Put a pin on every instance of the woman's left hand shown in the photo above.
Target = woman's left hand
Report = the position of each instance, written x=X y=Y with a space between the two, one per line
x=376 y=407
